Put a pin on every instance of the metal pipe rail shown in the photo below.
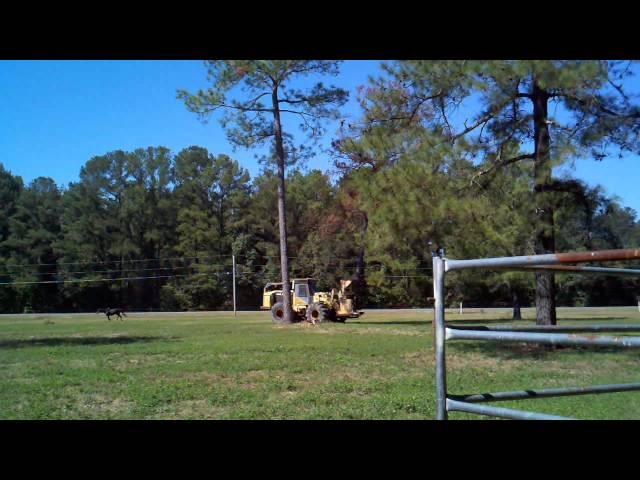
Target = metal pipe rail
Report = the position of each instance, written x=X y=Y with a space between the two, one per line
x=541 y=334
x=454 y=405
x=566 y=339
x=544 y=393
x=622 y=272
x=615 y=327
x=545 y=259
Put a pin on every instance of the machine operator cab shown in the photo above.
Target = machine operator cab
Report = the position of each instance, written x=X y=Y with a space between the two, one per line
x=302 y=291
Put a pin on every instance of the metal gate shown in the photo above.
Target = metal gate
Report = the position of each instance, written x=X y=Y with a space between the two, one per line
x=541 y=334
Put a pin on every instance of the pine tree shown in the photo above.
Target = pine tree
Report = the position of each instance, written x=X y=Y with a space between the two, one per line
x=34 y=228
x=10 y=189
x=499 y=113
x=212 y=194
x=251 y=123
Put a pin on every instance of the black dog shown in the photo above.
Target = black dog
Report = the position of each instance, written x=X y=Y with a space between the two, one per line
x=112 y=311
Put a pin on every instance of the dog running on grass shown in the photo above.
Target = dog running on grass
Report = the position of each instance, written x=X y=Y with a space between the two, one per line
x=112 y=311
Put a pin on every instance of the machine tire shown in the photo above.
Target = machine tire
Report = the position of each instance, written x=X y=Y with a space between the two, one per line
x=319 y=313
x=277 y=313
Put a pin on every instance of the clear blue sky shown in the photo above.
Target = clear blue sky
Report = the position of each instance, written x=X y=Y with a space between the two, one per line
x=56 y=115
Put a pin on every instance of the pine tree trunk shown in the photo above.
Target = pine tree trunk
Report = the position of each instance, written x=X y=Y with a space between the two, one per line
x=517 y=314
x=544 y=227
x=282 y=219
x=360 y=289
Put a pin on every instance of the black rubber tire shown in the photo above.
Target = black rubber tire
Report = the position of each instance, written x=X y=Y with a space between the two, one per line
x=318 y=313
x=277 y=313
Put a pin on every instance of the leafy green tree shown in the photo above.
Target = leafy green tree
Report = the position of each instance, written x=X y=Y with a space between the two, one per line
x=320 y=229
x=120 y=212
x=34 y=228
x=10 y=188
x=107 y=175
x=509 y=121
x=250 y=122
x=409 y=200
x=85 y=238
x=212 y=194
x=504 y=213
x=149 y=215
x=610 y=226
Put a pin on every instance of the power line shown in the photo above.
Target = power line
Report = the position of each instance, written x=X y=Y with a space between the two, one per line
x=60 y=273
x=406 y=276
x=104 y=262
x=96 y=280
x=366 y=267
x=106 y=279
x=194 y=266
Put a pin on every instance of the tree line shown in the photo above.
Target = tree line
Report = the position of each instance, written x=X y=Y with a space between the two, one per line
x=170 y=224
x=151 y=229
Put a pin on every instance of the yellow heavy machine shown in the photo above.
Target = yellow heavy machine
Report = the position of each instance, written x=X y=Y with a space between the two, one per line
x=310 y=305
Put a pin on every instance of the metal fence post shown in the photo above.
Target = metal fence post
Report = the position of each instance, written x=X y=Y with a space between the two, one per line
x=439 y=336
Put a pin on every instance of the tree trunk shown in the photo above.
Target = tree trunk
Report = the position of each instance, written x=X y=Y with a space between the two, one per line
x=517 y=314
x=544 y=227
x=282 y=219
x=360 y=287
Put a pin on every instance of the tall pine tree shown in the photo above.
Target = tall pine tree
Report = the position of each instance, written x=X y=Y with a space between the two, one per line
x=251 y=121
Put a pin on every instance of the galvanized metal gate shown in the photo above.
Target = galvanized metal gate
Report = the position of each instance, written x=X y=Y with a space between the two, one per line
x=541 y=334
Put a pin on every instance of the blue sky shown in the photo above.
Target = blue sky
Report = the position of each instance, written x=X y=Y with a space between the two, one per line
x=56 y=115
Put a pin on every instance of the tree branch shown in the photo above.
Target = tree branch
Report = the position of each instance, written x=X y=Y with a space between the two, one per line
x=503 y=163
x=601 y=107
x=482 y=121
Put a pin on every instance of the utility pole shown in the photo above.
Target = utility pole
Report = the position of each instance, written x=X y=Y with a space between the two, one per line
x=233 y=258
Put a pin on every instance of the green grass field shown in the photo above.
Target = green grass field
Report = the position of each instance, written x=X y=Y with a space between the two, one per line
x=215 y=366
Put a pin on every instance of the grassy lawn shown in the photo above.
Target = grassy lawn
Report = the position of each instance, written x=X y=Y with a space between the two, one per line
x=215 y=366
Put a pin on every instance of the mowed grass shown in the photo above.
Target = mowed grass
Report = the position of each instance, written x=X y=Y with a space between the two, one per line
x=217 y=366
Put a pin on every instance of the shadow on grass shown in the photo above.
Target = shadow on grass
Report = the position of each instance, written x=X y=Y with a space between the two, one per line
x=596 y=319
x=396 y=322
x=480 y=321
x=477 y=321
x=73 y=341
x=525 y=351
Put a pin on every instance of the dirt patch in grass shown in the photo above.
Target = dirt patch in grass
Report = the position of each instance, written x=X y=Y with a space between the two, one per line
x=81 y=363
x=249 y=380
x=96 y=404
x=25 y=380
x=257 y=375
x=190 y=409
x=206 y=377
x=421 y=359
x=391 y=331
x=476 y=361
x=367 y=331
x=122 y=361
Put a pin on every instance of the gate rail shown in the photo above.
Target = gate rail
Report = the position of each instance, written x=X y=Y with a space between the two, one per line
x=541 y=334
